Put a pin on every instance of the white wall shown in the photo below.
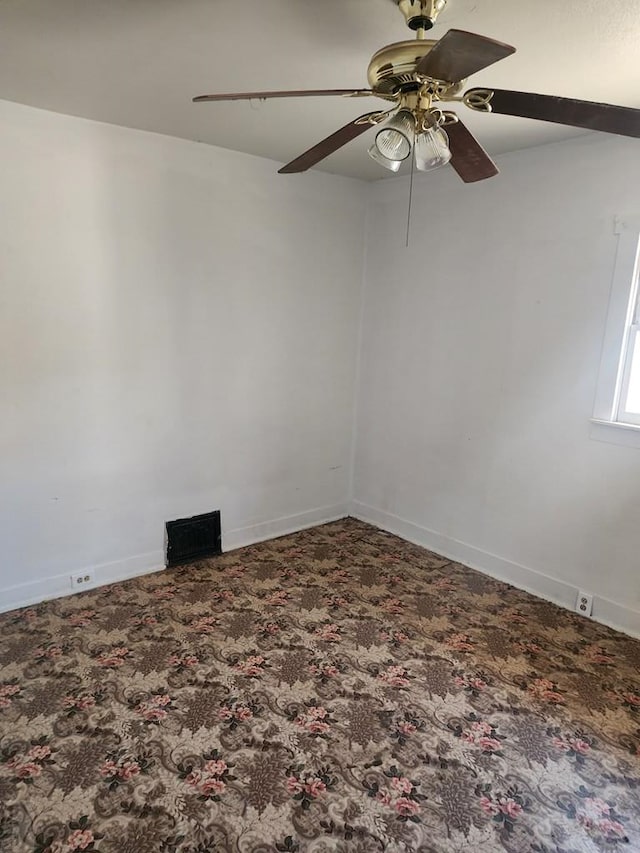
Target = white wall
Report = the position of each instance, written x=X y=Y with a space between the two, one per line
x=176 y=335
x=481 y=347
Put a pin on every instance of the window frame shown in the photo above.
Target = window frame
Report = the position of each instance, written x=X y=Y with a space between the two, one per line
x=631 y=344
x=622 y=336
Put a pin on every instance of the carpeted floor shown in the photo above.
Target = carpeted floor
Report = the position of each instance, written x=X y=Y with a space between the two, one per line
x=333 y=690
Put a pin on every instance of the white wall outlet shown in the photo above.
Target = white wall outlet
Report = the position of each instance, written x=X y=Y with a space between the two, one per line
x=83 y=580
x=584 y=604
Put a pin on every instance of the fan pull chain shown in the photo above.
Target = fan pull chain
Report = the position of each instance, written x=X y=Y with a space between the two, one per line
x=413 y=160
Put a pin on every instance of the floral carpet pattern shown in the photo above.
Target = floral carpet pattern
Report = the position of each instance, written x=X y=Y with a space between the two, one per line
x=338 y=689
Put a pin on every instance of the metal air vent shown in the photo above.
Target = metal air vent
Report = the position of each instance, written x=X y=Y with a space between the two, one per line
x=193 y=538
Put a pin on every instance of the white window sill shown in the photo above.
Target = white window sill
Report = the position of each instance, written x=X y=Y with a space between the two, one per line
x=614 y=432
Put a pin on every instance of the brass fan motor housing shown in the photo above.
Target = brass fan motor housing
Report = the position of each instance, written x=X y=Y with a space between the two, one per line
x=392 y=69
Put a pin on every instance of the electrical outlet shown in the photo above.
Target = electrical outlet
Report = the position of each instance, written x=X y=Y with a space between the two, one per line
x=83 y=580
x=584 y=604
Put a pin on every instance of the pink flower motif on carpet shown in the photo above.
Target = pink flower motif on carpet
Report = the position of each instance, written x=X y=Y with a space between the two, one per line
x=340 y=576
x=572 y=744
x=516 y=617
x=546 y=690
x=165 y=593
x=599 y=819
x=330 y=633
x=204 y=624
x=8 y=691
x=510 y=807
x=529 y=647
x=81 y=618
x=49 y=652
x=294 y=785
x=155 y=708
x=235 y=571
x=402 y=796
x=315 y=787
x=307 y=787
x=406 y=807
x=80 y=839
x=251 y=667
x=481 y=734
x=395 y=676
x=402 y=784
x=278 y=598
x=335 y=602
x=504 y=809
x=184 y=661
x=396 y=638
x=39 y=753
x=234 y=713
x=460 y=643
x=315 y=720
x=142 y=621
x=30 y=765
x=223 y=595
x=597 y=654
x=78 y=703
x=29 y=615
x=488 y=806
x=324 y=670
x=215 y=767
x=125 y=769
x=210 y=781
x=113 y=657
x=473 y=684
x=24 y=770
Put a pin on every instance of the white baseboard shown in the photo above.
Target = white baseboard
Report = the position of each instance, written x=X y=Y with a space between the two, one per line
x=610 y=613
x=242 y=536
x=25 y=594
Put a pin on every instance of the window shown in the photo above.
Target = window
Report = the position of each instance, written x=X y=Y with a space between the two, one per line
x=629 y=397
x=618 y=394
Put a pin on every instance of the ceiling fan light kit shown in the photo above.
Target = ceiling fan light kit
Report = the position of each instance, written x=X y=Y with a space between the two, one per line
x=409 y=133
x=420 y=75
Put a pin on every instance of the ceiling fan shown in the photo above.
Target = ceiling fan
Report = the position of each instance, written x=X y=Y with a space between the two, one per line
x=421 y=75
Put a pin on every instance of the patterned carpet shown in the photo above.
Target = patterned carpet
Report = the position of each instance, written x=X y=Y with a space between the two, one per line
x=334 y=690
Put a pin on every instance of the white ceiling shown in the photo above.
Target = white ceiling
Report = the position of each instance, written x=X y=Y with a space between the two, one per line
x=138 y=63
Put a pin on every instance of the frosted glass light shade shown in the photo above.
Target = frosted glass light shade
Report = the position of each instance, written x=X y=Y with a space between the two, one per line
x=395 y=140
x=392 y=165
x=432 y=150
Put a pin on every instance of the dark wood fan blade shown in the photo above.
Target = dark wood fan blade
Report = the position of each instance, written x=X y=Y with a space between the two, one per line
x=587 y=114
x=468 y=157
x=460 y=54
x=328 y=146
x=263 y=96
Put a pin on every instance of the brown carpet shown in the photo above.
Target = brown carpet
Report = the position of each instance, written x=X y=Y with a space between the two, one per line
x=333 y=690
